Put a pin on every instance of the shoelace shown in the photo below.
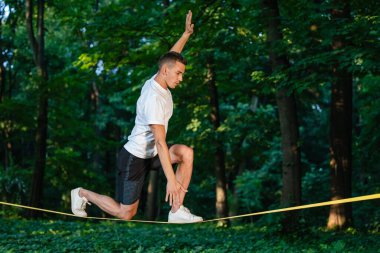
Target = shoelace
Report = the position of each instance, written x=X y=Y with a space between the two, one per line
x=188 y=211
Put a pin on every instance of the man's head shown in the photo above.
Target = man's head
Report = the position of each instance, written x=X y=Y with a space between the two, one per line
x=171 y=68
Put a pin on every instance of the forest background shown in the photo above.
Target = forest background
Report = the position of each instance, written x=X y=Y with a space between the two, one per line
x=280 y=102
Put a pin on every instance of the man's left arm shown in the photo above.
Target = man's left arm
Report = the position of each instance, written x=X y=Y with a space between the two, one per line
x=173 y=187
x=189 y=29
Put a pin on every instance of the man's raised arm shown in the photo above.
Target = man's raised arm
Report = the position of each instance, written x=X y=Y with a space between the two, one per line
x=189 y=29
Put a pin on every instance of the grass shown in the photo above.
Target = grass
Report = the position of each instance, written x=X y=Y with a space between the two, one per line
x=17 y=235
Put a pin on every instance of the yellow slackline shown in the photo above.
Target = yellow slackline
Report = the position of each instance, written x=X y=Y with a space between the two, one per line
x=327 y=203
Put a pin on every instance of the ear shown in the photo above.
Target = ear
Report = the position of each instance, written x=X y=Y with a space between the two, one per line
x=166 y=69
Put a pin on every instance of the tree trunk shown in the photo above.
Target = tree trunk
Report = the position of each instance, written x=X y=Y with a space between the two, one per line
x=291 y=172
x=291 y=175
x=151 y=197
x=220 y=174
x=341 y=134
x=38 y=50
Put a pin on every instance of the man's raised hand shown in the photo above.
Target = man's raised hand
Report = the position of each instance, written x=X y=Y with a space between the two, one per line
x=189 y=27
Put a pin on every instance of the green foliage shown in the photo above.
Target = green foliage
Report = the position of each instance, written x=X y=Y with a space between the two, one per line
x=60 y=236
x=316 y=180
x=13 y=184
x=257 y=189
x=369 y=90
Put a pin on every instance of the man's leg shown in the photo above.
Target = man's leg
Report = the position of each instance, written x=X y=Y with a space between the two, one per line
x=109 y=205
x=184 y=157
x=131 y=172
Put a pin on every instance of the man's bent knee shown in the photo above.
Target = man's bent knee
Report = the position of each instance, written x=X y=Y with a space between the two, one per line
x=188 y=154
x=126 y=213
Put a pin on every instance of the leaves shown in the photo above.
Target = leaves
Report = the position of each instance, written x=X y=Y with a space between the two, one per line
x=65 y=236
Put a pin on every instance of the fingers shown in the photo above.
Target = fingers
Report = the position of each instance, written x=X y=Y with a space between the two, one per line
x=173 y=194
x=173 y=198
x=189 y=16
x=189 y=25
x=169 y=197
x=183 y=189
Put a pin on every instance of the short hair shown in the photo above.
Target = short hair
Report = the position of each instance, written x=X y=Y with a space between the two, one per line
x=171 y=57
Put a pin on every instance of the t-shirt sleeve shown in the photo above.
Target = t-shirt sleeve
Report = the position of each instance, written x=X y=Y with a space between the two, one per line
x=154 y=111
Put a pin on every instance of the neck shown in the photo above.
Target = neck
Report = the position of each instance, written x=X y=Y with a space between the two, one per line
x=161 y=81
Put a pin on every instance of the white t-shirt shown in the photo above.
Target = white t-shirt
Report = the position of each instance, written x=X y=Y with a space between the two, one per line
x=154 y=106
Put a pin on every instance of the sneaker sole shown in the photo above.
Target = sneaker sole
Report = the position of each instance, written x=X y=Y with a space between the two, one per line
x=184 y=221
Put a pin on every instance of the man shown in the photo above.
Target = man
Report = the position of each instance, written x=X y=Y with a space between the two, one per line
x=147 y=149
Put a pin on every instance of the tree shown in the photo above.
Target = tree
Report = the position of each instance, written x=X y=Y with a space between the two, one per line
x=340 y=127
x=220 y=170
x=38 y=49
x=285 y=98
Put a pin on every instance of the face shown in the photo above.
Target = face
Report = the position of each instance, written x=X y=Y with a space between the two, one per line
x=174 y=74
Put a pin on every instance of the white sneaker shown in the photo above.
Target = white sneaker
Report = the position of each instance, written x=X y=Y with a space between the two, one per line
x=78 y=204
x=183 y=215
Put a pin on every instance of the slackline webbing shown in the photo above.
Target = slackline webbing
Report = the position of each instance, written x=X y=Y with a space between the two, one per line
x=327 y=203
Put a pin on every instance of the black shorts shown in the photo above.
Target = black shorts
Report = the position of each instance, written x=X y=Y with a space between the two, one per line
x=131 y=174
